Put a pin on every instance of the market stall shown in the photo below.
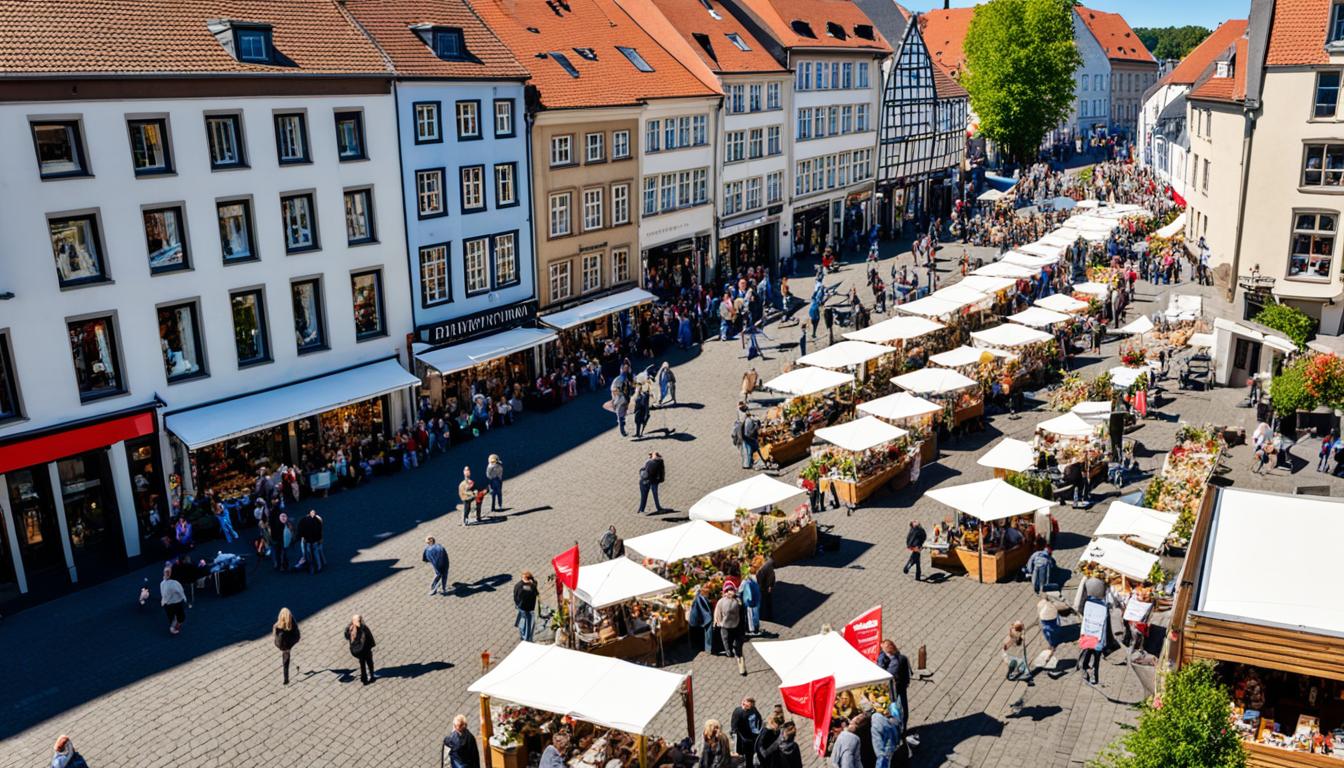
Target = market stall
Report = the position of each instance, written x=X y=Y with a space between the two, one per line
x=1035 y=256
x=1058 y=302
x=1008 y=455
x=912 y=337
x=1094 y=412
x=1089 y=291
x=1039 y=317
x=960 y=395
x=1136 y=327
x=1135 y=525
x=1070 y=449
x=1004 y=269
x=863 y=358
x=1036 y=350
x=622 y=610
x=605 y=705
x=1002 y=289
x=1124 y=567
x=911 y=413
x=786 y=430
x=806 y=659
x=752 y=509
x=994 y=534
x=859 y=457
x=929 y=307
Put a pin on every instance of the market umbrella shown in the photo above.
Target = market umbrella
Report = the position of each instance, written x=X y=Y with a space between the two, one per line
x=898 y=328
x=1093 y=411
x=615 y=581
x=682 y=541
x=1145 y=526
x=1123 y=377
x=807 y=381
x=1068 y=425
x=1058 y=302
x=756 y=492
x=861 y=434
x=989 y=500
x=1010 y=454
x=1137 y=327
x=844 y=354
x=898 y=406
x=1116 y=555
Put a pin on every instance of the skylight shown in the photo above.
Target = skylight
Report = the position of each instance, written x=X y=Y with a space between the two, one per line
x=835 y=30
x=864 y=31
x=737 y=40
x=703 y=40
x=586 y=53
x=635 y=58
x=564 y=63
x=803 y=28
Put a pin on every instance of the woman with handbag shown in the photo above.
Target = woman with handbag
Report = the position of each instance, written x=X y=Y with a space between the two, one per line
x=286 y=634
x=361 y=642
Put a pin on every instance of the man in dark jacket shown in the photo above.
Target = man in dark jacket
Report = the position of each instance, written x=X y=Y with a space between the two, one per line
x=275 y=522
x=784 y=753
x=650 y=477
x=897 y=665
x=612 y=545
x=437 y=557
x=746 y=726
x=461 y=746
x=701 y=616
x=914 y=541
x=765 y=578
x=310 y=538
x=525 y=600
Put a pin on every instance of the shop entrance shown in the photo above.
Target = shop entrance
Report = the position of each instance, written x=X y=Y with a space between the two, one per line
x=38 y=531
x=339 y=429
x=151 y=508
x=9 y=579
x=91 y=515
x=810 y=229
x=229 y=468
x=752 y=248
x=673 y=267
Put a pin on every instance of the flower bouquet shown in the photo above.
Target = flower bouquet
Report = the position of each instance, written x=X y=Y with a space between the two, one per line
x=1133 y=355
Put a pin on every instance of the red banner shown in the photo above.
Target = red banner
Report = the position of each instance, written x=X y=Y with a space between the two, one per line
x=865 y=632
x=813 y=700
x=566 y=565
x=56 y=445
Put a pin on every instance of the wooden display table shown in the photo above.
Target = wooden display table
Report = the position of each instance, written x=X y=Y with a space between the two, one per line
x=928 y=450
x=854 y=492
x=788 y=451
x=508 y=757
x=641 y=648
x=674 y=629
x=996 y=567
x=1261 y=756
x=970 y=412
x=798 y=546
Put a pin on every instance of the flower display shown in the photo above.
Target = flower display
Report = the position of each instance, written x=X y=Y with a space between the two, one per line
x=1133 y=355
x=1180 y=487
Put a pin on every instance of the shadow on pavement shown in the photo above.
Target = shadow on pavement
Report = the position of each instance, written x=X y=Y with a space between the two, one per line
x=413 y=670
x=938 y=740
x=1036 y=712
x=487 y=584
x=794 y=602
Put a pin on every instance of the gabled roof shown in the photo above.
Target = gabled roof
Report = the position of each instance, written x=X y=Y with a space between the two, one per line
x=945 y=36
x=1112 y=32
x=705 y=31
x=1297 y=33
x=945 y=86
x=170 y=37
x=390 y=22
x=1199 y=59
x=1232 y=89
x=547 y=35
x=838 y=24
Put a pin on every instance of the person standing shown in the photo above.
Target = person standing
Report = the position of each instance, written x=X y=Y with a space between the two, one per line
x=784 y=752
x=751 y=600
x=310 y=541
x=612 y=545
x=914 y=541
x=461 y=745
x=557 y=752
x=466 y=493
x=494 y=475
x=642 y=407
x=728 y=617
x=437 y=557
x=1040 y=566
x=750 y=380
x=174 y=601
x=829 y=316
x=885 y=737
x=897 y=665
x=751 y=438
x=285 y=634
x=701 y=617
x=765 y=577
x=714 y=750
x=845 y=754
x=1015 y=653
x=275 y=524
x=64 y=754
x=651 y=475
x=767 y=737
x=746 y=727
x=361 y=642
x=1048 y=616
x=620 y=399
x=525 y=600
x=667 y=384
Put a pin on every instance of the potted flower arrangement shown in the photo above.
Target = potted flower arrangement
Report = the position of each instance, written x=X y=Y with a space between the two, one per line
x=1133 y=355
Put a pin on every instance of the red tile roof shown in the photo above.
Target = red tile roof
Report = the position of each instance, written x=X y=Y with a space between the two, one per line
x=1116 y=38
x=161 y=37
x=564 y=25
x=690 y=17
x=1204 y=54
x=945 y=36
x=1229 y=89
x=946 y=86
x=1297 y=35
x=783 y=17
x=389 y=23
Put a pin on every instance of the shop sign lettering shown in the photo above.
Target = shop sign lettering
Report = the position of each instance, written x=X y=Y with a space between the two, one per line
x=478 y=324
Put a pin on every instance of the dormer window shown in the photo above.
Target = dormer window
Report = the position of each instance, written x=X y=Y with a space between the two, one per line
x=1224 y=69
x=864 y=31
x=835 y=30
x=737 y=40
x=803 y=28
x=564 y=63
x=586 y=53
x=448 y=44
x=253 y=44
x=635 y=59
x=1336 y=25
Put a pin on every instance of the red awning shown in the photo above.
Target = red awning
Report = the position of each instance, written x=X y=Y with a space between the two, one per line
x=71 y=442
x=1176 y=198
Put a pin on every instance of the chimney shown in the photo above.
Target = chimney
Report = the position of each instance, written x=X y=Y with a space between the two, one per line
x=947 y=4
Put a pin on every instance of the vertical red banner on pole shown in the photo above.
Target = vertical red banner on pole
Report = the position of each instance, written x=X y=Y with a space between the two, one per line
x=813 y=700
x=566 y=565
x=865 y=632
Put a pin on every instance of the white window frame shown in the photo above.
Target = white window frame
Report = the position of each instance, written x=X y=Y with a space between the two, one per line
x=558 y=207
x=620 y=204
x=504 y=257
x=594 y=147
x=620 y=265
x=427 y=116
x=590 y=273
x=561 y=285
x=592 y=209
x=620 y=145
x=562 y=150
x=476 y=265
x=468 y=119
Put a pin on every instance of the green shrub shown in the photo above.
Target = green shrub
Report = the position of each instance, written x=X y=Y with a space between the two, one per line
x=1290 y=321
x=1289 y=392
x=1033 y=484
x=1187 y=725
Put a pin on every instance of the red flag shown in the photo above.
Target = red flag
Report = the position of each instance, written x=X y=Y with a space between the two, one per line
x=813 y=700
x=865 y=632
x=566 y=565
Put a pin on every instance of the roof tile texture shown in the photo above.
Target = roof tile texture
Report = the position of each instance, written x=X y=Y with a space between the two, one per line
x=1204 y=54
x=945 y=36
x=1231 y=89
x=390 y=22
x=779 y=15
x=690 y=17
x=1116 y=38
x=1297 y=36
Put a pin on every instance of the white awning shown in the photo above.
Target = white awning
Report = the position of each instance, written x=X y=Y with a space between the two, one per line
x=986 y=284
x=1124 y=376
x=1283 y=345
x=899 y=328
x=618 y=580
x=1060 y=237
x=682 y=541
x=1115 y=555
x=1100 y=290
x=899 y=406
x=1094 y=235
x=931 y=307
x=1145 y=526
x=935 y=381
x=597 y=689
x=1093 y=411
x=210 y=424
x=1038 y=317
x=1035 y=255
x=1137 y=327
x=844 y=354
x=989 y=196
x=989 y=500
x=807 y=381
x=756 y=492
x=1176 y=226
x=1085 y=222
x=1184 y=302
x=1068 y=425
x=597 y=308
x=1058 y=302
x=860 y=434
x=960 y=294
x=460 y=357
x=1200 y=340
x=1306 y=289
x=1090 y=202
x=1063 y=203
x=1000 y=269
x=1008 y=335
x=826 y=655
x=1010 y=454
x=964 y=355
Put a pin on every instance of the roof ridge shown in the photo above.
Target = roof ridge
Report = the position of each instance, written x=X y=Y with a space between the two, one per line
x=350 y=17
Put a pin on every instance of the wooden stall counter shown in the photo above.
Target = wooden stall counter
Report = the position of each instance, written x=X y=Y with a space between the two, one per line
x=641 y=648
x=984 y=567
x=928 y=450
x=1262 y=756
x=788 y=451
x=512 y=756
x=799 y=546
x=852 y=492
x=974 y=411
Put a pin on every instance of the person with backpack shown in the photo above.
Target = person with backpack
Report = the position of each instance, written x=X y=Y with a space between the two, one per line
x=361 y=642
x=751 y=438
x=651 y=475
x=642 y=406
x=621 y=390
x=611 y=544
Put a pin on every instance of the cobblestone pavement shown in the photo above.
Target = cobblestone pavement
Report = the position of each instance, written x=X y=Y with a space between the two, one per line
x=97 y=666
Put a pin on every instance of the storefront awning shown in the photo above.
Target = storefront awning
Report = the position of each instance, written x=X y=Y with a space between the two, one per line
x=899 y=406
x=989 y=500
x=1116 y=555
x=460 y=357
x=210 y=424
x=1302 y=289
x=756 y=492
x=844 y=354
x=899 y=328
x=1010 y=454
x=48 y=445
x=618 y=580
x=682 y=541
x=860 y=434
x=1145 y=526
x=812 y=658
x=1093 y=411
x=597 y=309
x=1176 y=226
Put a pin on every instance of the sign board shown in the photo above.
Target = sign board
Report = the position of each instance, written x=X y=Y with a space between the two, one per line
x=460 y=329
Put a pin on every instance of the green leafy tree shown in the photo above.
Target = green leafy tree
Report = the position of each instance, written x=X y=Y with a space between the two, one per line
x=1171 y=42
x=1020 y=63
x=1289 y=392
x=1188 y=725
x=1290 y=321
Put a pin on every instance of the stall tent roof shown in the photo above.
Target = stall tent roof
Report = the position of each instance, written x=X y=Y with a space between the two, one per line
x=1035 y=255
x=1058 y=302
x=964 y=355
x=899 y=328
x=1124 y=376
x=597 y=308
x=1093 y=411
x=1116 y=555
x=1060 y=237
x=682 y=541
x=1038 y=317
x=1068 y=425
x=1100 y=290
x=460 y=357
x=1177 y=225
x=210 y=424
x=989 y=500
x=1197 y=340
x=1293 y=542
x=755 y=492
x=1010 y=335
x=1138 y=326
x=812 y=658
x=930 y=307
x=987 y=284
x=899 y=405
x=1000 y=269
x=843 y=354
x=618 y=580
x=861 y=434
x=933 y=380
x=808 y=381
x=959 y=293
x=1010 y=454
x=1146 y=526
x=606 y=692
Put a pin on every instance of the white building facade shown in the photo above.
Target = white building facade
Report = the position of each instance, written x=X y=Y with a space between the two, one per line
x=679 y=176
x=754 y=146
x=1091 y=115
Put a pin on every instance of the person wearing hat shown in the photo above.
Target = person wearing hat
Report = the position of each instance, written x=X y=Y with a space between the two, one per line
x=494 y=476
x=729 y=617
x=64 y=754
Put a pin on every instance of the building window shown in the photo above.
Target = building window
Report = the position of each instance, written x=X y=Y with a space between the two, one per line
x=755 y=143
x=620 y=204
x=732 y=198
x=250 y=338
x=1313 y=244
x=298 y=214
x=650 y=195
x=10 y=407
x=60 y=150
x=774 y=187
x=635 y=59
x=592 y=209
x=559 y=278
x=180 y=342
x=504 y=118
x=593 y=147
x=592 y=272
x=166 y=239
x=620 y=145
x=93 y=344
x=291 y=139
x=366 y=293
x=359 y=217
x=737 y=41
x=476 y=265
x=506 y=190
x=736 y=99
x=562 y=150
x=468 y=120
x=683 y=189
x=861 y=70
x=434 y=284
x=754 y=97
x=224 y=134
x=473 y=188
x=700 y=130
x=847 y=73
x=670 y=134
x=429 y=193
x=253 y=44
x=700 y=186
x=620 y=265
x=1327 y=94
x=1323 y=165
x=559 y=204
x=350 y=136
x=149 y=147
x=78 y=249
x=753 y=193
x=235 y=231
x=773 y=145
x=310 y=333
x=506 y=259
x=735 y=147
x=428 y=128
x=1336 y=23
x=651 y=136
x=772 y=100
x=667 y=192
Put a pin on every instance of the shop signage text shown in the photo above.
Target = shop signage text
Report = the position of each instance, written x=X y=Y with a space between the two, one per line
x=477 y=324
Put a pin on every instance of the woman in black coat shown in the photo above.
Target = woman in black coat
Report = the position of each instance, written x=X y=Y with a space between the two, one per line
x=286 y=635
x=361 y=647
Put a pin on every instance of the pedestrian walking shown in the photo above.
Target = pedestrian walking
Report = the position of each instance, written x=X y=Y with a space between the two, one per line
x=525 y=601
x=174 y=601
x=751 y=600
x=765 y=577
x=361 y=642
x=784 y=752
x=848 y=746
x=437 y=557
x=494 y=476
x=814 y=316
x=612 y=545
x=642 y=406
x=750 y=380
x=461 y=746
x=1327 y=451
x=829 y=316
x=667 y=384
x=897 y=665
x=701 y=618
x=466 y=493
x=285 y=634
x=914 y=541
x=1041 y=566
x=730 y=618
x=310 y=542
x=651 y=475
x=1014 y=651
x=225 y=524
x=621 y=389
x=1048 y=617
x=64 y=754
x=275 y=524
x=748 y=436
x=746 y=724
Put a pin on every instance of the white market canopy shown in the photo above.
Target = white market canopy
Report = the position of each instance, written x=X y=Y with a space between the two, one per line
x=210 y=424
x=1063 y=203
x=1200 y=340
x=989 y=196
x=959 y=293
x=1186 y=303
x=1062 y=237
x=1009 y=335
x=1000 y=269
x=899 y=328
x=899 y=406
x=844 y=354
x=1059 y=302
x=597 y=309
x=986 y=284
x=1093 y=411
x=1068 y=425
x=808 y=381
x=1038 y=317
x=1100 y=290
x=682 y=541
x=1091 y=221
x=964 y=355
x=860 y=434
x=1093 y=235
x=1124 y=377
x=1145 y=526
x=469 y=354
x=1035 y=255
x=1137 y=327
x=1010 y=454
x=935 y=381
x=618 y=580
x=1116 y=555
x=756 y=492
x=825 y=655
x=1177 y=225
x=931 y=307
x=989 y=500
x=607 y=692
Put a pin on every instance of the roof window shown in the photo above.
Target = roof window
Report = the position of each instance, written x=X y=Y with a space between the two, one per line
x=803 y=28
x=448 y=44
x=248 y=42
x=713 y=14
x=703 y=40
x=1224 y=69
x=835 y=30
x=737 y=40
x=564 y=63
x=586 y=53
x=864 y=31
x=635 y=59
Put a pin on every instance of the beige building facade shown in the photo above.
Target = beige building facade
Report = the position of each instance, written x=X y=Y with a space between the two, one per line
x=1214 y=172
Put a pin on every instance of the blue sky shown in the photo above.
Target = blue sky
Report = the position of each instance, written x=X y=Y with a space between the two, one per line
x=1143 y=13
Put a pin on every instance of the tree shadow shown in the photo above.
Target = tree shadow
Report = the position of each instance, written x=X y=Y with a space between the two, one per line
x=837 y=551
x=795 y=602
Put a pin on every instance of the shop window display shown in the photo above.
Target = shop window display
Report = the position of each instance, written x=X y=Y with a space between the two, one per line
x=309 y=329
x=343 y=432
x=180 y=342
x=229 y=468
x=165 y=238
x=367 y=292
x=78 y=250
x=93 y=345
x=1288 y=711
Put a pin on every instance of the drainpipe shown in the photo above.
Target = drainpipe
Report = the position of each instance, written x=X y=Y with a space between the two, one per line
x=1248 y=138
